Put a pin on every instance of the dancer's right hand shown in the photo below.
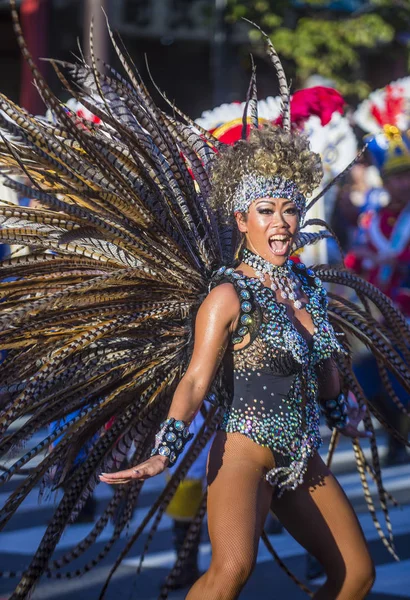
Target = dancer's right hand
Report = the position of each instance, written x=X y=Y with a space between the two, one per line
x=149 y=468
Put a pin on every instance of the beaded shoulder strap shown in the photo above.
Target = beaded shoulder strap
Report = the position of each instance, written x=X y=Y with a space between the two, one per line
x=310 y=280
x=249 y=315
x=307 y=275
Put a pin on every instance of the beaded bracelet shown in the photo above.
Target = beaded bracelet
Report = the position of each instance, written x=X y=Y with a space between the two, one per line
x=171 y=439
x=335 y=411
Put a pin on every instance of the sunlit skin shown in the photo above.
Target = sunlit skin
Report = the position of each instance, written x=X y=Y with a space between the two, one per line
x=266 y=220
x=218 y=317
x=269 y=217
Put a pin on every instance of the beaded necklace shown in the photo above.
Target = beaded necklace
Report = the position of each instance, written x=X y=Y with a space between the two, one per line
x=282 y=277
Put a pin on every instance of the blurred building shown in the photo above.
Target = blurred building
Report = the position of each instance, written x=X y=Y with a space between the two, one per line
x=194 y=55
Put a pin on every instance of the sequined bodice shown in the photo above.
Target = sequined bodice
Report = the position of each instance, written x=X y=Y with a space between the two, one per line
x=274 y=379
x=262 y=316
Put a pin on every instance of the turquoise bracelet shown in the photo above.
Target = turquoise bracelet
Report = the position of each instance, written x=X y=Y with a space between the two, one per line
x=171 y=439
x=335 y=411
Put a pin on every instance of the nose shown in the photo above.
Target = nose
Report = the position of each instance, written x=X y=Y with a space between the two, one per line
x=279 y=220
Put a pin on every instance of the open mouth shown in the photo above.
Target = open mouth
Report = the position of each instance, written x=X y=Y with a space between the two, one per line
x=279 y=244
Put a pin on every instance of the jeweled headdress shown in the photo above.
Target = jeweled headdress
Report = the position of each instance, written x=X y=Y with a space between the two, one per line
x=253 y=186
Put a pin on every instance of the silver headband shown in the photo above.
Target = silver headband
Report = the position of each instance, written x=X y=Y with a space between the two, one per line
x=254 y=186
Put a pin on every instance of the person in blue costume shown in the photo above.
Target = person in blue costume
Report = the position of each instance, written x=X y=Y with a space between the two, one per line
x=265 y=319
x=381 y=255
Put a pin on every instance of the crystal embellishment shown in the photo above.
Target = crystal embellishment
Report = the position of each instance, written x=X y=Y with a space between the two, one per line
x=282 y=277
x=171 y=439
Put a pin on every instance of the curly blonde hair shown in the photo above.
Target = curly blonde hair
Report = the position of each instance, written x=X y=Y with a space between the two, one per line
x=269 y=151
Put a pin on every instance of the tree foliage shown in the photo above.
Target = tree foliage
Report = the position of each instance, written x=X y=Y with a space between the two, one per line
x=322 y=37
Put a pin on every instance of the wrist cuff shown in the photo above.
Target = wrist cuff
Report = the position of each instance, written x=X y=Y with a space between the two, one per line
x=171 y=439
x=335 y=411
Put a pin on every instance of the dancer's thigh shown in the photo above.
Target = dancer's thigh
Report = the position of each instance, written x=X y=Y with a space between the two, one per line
x=238 y=500
x=320 y=517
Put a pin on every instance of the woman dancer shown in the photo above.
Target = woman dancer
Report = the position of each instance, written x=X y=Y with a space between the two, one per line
x=129 y=243
x=268 y=317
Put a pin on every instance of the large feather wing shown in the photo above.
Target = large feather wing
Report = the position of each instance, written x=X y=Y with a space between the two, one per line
x=97 y=319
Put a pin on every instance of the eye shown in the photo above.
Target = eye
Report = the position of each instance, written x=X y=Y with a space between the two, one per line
x=265 y=211
x=292 y=210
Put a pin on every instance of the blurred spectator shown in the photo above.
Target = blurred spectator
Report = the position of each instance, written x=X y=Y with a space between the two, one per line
x=362 y=190
x=381 y=254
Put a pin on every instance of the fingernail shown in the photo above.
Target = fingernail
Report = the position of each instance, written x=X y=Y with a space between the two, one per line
x=103 y=474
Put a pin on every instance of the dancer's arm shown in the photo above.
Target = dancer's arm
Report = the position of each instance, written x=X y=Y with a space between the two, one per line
x=216 y=320
x=328 y=379
x=329 y=387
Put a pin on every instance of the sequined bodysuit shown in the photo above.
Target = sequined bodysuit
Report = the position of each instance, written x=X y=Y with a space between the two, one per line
x=274 y=377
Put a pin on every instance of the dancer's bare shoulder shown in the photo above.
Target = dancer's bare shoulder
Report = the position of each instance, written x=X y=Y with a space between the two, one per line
x=222 y=304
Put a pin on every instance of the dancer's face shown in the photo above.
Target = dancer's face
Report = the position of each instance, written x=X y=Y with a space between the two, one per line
x=270 y=227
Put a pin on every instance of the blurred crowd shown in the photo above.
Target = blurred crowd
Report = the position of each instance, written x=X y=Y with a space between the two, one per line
x=371 y=218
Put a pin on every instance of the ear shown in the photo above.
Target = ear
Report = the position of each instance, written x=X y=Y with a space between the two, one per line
x=241 y=221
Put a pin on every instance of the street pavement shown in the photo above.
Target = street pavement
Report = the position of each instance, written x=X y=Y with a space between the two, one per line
x=18 y=542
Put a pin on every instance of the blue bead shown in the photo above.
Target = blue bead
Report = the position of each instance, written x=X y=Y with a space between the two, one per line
x=237 y=339
x=242 y=331
x=245 y=294
x=178 y=444
x=246 y=319
x=164 y=451
x=170 y=437
x=221 y=270
x=179 y=425
x=172 y=458
x=246 y=306
x=237 y=275
x=310 y=272
x=242 y=283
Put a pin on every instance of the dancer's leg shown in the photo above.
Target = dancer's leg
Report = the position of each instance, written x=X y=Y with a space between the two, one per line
x=320 y=517
x=238 y=502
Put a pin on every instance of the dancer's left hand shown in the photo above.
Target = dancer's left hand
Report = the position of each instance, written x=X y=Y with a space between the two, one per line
x=355 y=414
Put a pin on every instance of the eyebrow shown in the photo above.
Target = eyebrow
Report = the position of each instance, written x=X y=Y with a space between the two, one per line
x=271 y=201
